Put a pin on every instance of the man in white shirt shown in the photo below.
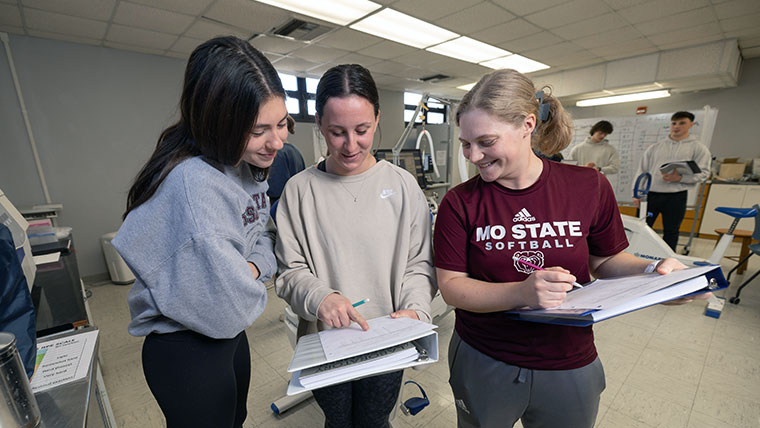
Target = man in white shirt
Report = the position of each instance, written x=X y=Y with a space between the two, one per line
x=668 y=192
x=596 y=152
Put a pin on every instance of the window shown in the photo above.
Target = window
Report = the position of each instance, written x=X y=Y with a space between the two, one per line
x=301 y=96
x=435 y=114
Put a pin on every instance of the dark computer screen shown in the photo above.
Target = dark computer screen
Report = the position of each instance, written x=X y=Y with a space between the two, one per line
x=409 y=159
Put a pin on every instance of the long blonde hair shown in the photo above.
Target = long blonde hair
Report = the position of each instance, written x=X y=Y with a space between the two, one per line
x=511 y=96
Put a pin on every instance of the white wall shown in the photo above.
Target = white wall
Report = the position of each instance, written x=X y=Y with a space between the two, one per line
x=96 y=114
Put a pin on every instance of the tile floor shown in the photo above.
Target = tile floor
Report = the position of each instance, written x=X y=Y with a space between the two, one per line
x=666 y=366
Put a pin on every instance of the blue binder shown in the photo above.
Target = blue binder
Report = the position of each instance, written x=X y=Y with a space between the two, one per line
x=585 y=317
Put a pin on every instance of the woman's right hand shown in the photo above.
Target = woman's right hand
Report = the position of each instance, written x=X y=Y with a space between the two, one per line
x=336 y=311
x=547 y=288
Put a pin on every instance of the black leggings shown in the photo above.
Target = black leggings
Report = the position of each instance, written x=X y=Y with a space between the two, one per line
x=672 y=206
x=363 y=403
x=198 y=381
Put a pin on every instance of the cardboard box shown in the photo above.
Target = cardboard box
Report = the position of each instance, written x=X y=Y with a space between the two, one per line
x=731 y=171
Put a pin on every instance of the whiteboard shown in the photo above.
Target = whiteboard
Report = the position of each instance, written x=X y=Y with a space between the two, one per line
x=632 y=135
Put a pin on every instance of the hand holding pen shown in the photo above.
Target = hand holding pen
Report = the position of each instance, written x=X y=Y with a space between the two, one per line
x=545 y=288
x=337 y=311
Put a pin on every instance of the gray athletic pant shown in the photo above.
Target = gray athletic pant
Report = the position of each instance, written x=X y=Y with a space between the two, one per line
x=490 y=393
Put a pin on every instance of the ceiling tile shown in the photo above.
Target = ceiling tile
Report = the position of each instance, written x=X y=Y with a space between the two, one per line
x=272 y=57
x=248 y=15
x=736 y=8
x=608 y=38
x=319 y=54
x=178 y=55
x=294 y=64
x=319 y=70
x=698 y=39
x=623 y=48
x=417 y=73
x=659 y=9
x=475 y=18
x=686 y=35
x=743 y=34
x=522 y=8
x=511 y=30
x=575 y=10
x=553 y=52
x=62 y=24
x=13 y=30
x=93 y=9
x=355 y=58
x=10 y=15
x=456 y=67
x=387 y=50
x=622 y=4
x=389 y=67
x=185 y=45
x=609 y=22
x=9 y=1
x=132 y=48
x=535 y=41
x=348 y=39
x=140 y=16
x=139 y=37
x=65 y=37
x=741 y=22
x=677 y=21
x=203 y=29
x=750 y=42
x=191 y=7
x=430 y=10
x=419 y=58
x=615 y=54
x=278 y=45
x=751 y=52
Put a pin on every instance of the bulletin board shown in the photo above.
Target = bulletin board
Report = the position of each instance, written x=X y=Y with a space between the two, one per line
x=632 y=135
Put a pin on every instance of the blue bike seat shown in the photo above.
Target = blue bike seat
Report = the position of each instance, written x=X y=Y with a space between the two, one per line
x=738 y=212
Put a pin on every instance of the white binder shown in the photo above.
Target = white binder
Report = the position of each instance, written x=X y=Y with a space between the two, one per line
x=348 y=342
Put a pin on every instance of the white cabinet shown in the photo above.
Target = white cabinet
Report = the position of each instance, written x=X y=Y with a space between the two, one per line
x=731 y=196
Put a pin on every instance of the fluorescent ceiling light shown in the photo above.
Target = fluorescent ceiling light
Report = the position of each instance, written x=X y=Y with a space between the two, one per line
x=468 y=49
x=516 y=62
x=623 y=98
x=467 y=87
x=402 y=28
x=339 y=12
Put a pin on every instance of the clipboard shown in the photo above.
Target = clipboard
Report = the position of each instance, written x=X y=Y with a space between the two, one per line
x=310 y=353
x=687 y=167
x=707 y=279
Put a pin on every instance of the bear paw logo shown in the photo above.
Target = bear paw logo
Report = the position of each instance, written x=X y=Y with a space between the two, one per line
x=532 y=257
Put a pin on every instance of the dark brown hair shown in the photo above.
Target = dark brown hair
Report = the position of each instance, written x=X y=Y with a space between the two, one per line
x=226 y=82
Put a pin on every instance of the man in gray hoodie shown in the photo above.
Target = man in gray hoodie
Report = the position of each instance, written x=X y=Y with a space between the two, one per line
x=596 y=152
x=668 y=192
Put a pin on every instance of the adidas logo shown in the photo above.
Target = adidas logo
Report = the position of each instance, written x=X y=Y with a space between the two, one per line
x=524 y=216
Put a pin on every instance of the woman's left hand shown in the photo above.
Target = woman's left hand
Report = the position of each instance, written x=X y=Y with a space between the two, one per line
x=405 y=313
x=670 y=265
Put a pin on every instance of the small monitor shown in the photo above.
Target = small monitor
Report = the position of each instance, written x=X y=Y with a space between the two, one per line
x=409 y=159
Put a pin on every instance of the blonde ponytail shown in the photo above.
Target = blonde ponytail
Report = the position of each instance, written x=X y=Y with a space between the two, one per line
x=511 y=96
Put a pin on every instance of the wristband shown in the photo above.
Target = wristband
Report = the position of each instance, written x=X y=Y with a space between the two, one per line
x=651 y=267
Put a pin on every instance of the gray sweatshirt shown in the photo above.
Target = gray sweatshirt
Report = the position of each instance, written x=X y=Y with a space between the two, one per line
x=188 y=247
x=668 y=150
x=378 y=247
x=602 y=154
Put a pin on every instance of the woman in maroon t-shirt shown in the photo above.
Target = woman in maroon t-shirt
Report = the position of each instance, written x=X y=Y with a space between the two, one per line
x=547 y=213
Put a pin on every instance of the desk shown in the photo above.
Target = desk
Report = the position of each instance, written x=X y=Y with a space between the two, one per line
x=746 y=238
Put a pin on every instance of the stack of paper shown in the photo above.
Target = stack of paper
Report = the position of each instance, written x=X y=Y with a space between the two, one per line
x=345 y=369
x=607 y=298
x=339 y=355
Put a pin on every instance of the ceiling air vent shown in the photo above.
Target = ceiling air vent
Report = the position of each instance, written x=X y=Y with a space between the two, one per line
x=435 y=78
x=301 y=30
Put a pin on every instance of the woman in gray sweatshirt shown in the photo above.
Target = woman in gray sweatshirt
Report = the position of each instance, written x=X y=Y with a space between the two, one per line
x=195 y=235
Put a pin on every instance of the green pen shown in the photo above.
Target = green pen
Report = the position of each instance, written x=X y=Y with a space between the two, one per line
x=361 y=302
